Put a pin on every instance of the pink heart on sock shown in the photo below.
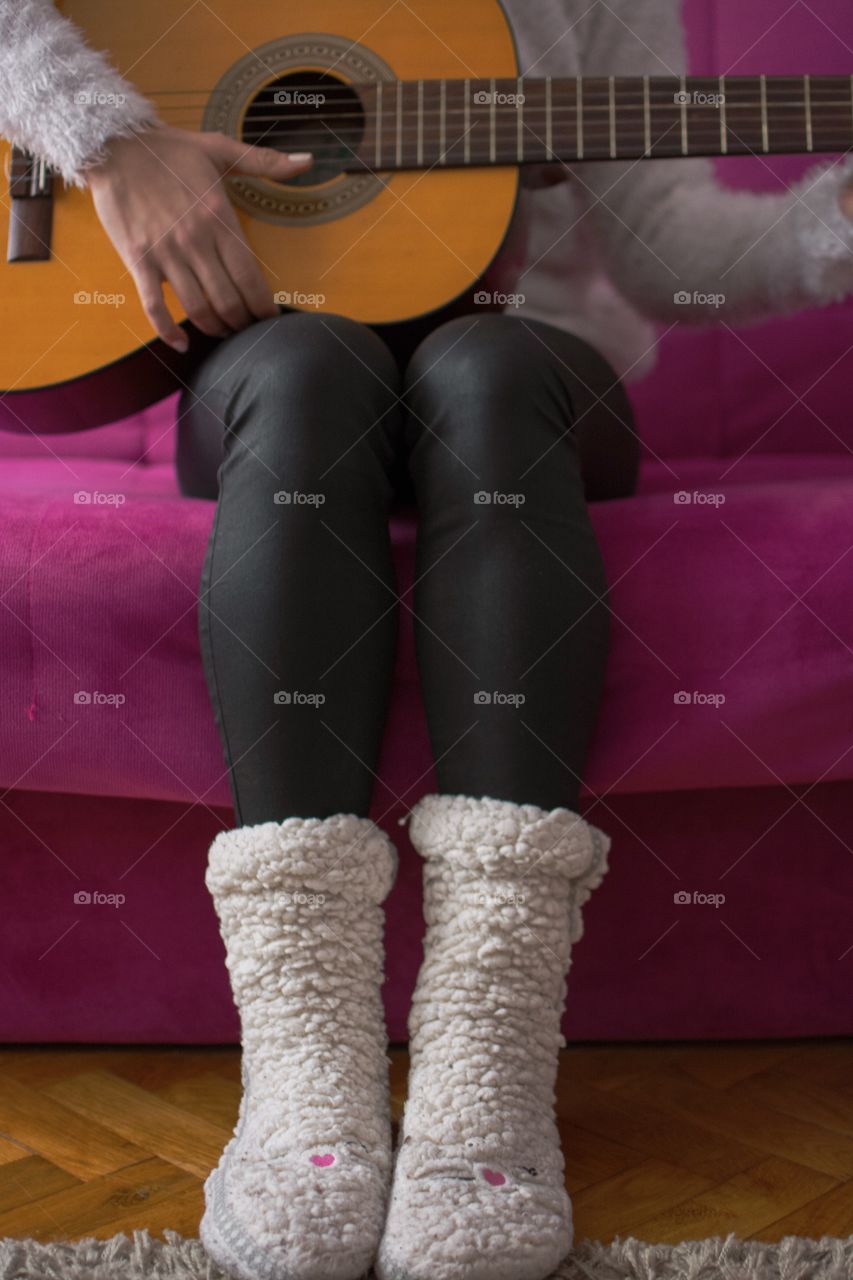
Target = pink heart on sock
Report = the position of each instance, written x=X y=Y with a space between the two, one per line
x=494 y=1178
x=323 y=1161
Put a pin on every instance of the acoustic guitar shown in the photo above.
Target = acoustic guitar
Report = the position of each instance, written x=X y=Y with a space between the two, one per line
x=419 y=124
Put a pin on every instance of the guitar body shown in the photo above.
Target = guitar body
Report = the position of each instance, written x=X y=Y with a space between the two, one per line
x=379 y=248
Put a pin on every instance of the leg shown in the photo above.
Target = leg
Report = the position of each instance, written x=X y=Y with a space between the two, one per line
x=510 y=595
x=510 y=603
x=298 y=416
x=298 y=601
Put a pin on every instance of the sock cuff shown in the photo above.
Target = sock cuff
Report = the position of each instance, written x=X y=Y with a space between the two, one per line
x=497 y=837
x=344 y=854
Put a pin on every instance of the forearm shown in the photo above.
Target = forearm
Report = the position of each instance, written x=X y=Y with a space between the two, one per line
x=667 y=229
x=61 y=100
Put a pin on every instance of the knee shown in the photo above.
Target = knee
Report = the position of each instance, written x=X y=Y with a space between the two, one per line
x=478 y=359
x=304 y=353
x=471 y=386
x=301 y=392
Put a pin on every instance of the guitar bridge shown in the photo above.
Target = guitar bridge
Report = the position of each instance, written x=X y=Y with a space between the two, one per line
x=31 y=208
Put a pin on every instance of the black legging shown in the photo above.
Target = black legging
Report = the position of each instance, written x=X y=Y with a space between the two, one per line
x=305 y=426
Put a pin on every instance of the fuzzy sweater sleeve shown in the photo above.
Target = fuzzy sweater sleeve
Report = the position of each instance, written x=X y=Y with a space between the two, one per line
x=668 y=227
x=60 y=99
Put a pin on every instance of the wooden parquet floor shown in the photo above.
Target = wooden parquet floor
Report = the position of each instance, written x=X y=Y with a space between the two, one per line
x=663 y=1142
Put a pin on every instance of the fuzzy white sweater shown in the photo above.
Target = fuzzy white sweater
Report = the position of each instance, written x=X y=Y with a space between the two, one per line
x=607 y=252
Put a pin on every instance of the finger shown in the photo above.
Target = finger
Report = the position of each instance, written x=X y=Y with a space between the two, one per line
x=149 y=286
x=186 y=284
x=254 y=161
x=242 y=267
x=221 y=292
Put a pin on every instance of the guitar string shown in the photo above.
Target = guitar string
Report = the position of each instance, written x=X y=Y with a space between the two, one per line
x=660 y=83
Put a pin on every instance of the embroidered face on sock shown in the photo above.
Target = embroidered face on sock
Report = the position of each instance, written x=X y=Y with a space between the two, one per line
x=434 y=1163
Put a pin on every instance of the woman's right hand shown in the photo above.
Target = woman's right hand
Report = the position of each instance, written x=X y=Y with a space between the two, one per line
x=161 y=199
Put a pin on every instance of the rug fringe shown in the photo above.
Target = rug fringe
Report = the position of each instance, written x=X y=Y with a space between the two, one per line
x=146 y=1257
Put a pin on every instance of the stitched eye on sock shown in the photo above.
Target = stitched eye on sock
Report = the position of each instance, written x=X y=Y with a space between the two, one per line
x=448 y=1172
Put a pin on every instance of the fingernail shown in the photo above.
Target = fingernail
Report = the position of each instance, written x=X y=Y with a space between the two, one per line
x=299 y=157
x=181 y=342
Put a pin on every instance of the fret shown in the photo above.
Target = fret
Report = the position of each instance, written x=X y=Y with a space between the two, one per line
x=549 y=122
x=703 y=114
x=685 y=146
x=564 y=134
x=420 y=123
x=743 y=115
x=442 y=121
x=458 y=142
x=580 y=146
x=611 y=93
x=807 y=95
x=612 y=118
x=536 y=112
x=630 y=120
x=785 y=112
x=399 y=115
x=479 y=115
x=765 y=127
x=492 y=115
x=665 y=116
x=647 y=117
x=830 y=107
x=724 y=128
x=466 y=117
x=519 y=106
x=378 y=155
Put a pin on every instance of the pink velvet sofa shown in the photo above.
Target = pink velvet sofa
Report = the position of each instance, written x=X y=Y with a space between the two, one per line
x=723 y=761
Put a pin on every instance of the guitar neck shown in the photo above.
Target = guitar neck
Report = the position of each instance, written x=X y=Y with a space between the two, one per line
x=421 y=124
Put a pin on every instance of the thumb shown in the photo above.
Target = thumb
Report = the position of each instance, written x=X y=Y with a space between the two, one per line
x=259 y=162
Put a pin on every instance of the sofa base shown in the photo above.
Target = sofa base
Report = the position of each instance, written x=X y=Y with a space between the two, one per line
x=144 y=962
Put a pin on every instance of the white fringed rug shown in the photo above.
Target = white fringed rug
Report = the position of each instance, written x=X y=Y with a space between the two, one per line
x=142 y=1257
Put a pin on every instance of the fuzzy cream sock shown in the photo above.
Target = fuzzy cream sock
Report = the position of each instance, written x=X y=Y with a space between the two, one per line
x=478 y=1191
x=301 y=1189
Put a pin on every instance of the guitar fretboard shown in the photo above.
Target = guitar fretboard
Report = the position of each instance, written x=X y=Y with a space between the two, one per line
x=426 y=123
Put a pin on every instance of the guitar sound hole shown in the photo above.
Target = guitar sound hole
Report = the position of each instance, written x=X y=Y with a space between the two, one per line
x=308 y=111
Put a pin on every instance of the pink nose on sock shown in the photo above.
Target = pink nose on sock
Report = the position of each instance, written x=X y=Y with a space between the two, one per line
x=494 y=1178
x=323 y=1161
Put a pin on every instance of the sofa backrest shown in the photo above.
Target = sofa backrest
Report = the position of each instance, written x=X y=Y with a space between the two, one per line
x=778 y=387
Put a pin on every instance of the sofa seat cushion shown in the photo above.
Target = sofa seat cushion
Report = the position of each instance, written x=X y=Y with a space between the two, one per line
x=732 y=633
